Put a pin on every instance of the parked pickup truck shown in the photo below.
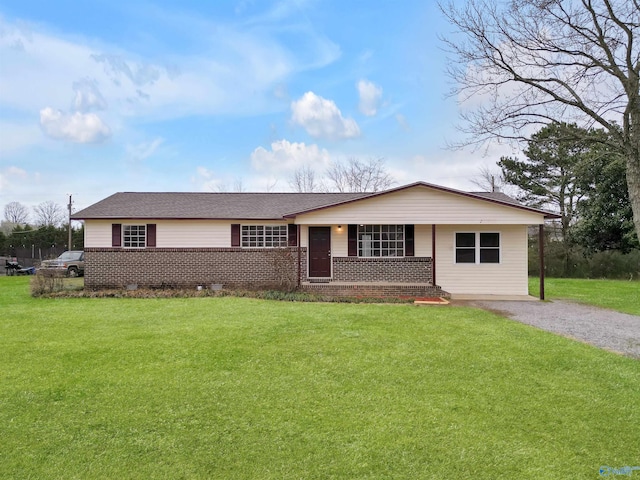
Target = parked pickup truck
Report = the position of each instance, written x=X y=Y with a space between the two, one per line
x=72 y=262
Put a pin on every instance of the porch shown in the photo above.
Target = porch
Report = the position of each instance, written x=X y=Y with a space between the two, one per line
x=373 y=289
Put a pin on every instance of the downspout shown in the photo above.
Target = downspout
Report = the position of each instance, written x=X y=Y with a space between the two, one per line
x=433 y=254
x=541 y=253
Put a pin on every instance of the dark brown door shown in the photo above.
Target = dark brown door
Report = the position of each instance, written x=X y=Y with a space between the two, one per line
x=319 y=251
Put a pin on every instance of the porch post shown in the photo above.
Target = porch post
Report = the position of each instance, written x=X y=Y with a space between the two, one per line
x=541 y=253
x=433 y=254
x=299 y=257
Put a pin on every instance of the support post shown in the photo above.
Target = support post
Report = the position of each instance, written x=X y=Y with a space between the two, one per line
x=299 y=258
x=541 y=253
x=69 y=243
x=433 y=254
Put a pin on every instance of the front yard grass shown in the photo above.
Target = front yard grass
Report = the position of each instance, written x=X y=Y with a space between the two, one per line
x=620 y=295
x=252 y=389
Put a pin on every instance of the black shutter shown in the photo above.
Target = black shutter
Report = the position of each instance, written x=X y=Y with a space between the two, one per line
x=352 y=235
x=116 y=235
x=235 y=234
x=293 y=234
x=151 y=234
x=409 y=249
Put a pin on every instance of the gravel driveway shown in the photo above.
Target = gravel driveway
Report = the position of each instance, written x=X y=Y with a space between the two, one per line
x=618 y=332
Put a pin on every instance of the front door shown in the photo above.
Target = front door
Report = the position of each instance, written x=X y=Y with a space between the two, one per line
x=320 y=252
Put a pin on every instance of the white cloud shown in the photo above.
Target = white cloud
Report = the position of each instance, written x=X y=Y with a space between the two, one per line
x=287 y=156
x=370 y=95
x=77 y=127
x=10 y=175
x=144 y=150
x=206 y=180
x=321 y=118
x=236 y=69
x=87 y=96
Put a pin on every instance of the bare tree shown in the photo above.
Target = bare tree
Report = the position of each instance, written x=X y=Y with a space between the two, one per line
x=303 y=180
x=237 y=187
x=527 y=62
x=15 y=212
x=359 y=176
x=270 y=185
x=488 y=180
x=49 y=214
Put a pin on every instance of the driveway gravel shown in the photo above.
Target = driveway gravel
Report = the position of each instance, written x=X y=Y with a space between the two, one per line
x=618 y=332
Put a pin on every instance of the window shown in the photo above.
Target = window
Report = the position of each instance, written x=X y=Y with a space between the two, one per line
x=264 y=236
x=478 y=247
x=134 y=236
x=381 y=240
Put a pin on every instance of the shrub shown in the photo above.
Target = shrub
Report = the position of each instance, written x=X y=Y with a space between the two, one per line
x=46 y=282
x=576 y=262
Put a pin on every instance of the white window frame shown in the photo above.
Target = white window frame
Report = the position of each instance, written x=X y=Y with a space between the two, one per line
x=374 y=239
x=134 y=236
x=264 y=236
x=477 y=248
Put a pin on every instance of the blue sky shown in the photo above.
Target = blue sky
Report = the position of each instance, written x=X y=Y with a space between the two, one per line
x=105 y=96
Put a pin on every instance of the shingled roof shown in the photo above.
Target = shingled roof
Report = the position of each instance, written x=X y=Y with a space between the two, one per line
x=248 y=206
x=223 y=206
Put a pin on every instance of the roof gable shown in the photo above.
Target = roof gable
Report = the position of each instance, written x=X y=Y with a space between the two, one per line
x=424 y=204
x=497 y=198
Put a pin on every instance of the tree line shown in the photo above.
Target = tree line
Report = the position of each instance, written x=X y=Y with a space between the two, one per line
x=576 y=173
x=46 y=236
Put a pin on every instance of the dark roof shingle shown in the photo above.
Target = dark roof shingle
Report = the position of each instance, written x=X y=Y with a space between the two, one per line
x=246 y=206
x=249 y=206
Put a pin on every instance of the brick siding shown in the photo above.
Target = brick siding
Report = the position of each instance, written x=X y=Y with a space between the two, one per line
x=189 y=267
x=255 y=268
x=375 y=290
x=384 y=269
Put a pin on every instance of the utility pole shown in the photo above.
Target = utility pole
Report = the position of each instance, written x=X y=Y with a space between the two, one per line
x=69 y=243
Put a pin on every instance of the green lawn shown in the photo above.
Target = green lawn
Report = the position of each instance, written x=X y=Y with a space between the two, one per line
x=621 y=295
x=250 y=389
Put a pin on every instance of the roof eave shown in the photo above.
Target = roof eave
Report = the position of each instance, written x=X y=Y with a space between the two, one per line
x=435 y=187
x=274 y=219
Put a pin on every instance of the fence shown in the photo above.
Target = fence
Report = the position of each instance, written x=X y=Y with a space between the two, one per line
x=33 y=255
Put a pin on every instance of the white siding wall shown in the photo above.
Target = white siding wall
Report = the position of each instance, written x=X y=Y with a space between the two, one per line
x=97 y=233
x=509 y=277
x=420 y=205
x=170 y=233
x=422 y=240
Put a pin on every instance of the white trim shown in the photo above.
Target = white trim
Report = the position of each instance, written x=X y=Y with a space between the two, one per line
x=264 y=235
x=122 y=235
x=477 y=248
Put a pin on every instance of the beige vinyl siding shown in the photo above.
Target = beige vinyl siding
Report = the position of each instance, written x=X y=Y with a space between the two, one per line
x=340 y=241
x=192 y=233
x=171 y=233
x=422 y=240
x=509 y=277
x=420 y=205
x=97 y=233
